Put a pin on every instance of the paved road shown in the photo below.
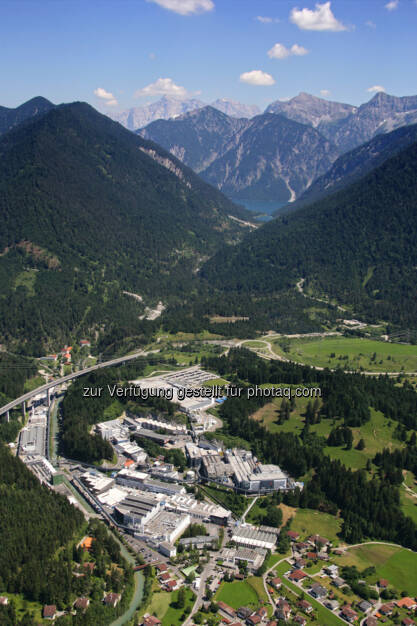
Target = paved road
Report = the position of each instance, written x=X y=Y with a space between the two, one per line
x=64 y=379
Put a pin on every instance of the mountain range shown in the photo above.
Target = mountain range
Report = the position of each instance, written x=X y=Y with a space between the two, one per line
x=168 y=108
x=266 y=158
x=357 y=246
x=353 y=165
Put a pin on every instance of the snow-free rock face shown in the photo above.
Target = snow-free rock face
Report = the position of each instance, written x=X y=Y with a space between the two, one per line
x=308 y=109
x=274 y=159
x=268 y=157
x=381 y=114
x=197 y=138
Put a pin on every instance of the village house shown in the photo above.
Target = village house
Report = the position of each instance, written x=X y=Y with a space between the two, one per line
x=276 y=583
x=348 y=613
x=292 y=535
x=316 y=540
x=283 y=609
x=49 y=611
x=226 y=610
x=81 y=604
x=244 y=612
x=365 y=606
x=112 y=599
x=331 y=604
x=305 y=606
x=407 y=603
x=151 y=620
x=387 y=609
x=317 y=591
x=297 y=575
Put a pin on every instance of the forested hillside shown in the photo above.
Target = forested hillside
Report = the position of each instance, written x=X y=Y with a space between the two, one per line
x=358 y=246
x=369 y=505
x=89 y=210
x=355 y=164
x=35 y=522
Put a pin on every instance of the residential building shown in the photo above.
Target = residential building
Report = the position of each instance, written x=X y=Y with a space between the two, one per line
x=112 y=599
x=318 y=591
x=49 y=611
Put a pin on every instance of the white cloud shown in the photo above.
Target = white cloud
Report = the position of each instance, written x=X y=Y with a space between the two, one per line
x=267 y=20
x=257 y=77
x=279 y=51
x=320 y=19
x=185 y=7
x=376 y=89
x=370 y=24
x=299 y=51
x=162 y=87
x=107 y=96
x=325 y=92
x=392 y=5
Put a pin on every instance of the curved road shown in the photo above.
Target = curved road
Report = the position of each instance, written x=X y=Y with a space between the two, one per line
x=64 y=379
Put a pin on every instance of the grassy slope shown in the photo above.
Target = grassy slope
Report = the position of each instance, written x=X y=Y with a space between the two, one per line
x=359 y=352
x=397 y=565
x=308 y=522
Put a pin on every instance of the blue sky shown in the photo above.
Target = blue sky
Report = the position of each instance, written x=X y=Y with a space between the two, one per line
x=113 y=54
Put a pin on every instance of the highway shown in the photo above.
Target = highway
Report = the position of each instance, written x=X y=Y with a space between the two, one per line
x=58 y=381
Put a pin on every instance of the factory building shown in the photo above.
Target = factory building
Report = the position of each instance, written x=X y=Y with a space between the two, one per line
x=136 y=511
x=251 y=537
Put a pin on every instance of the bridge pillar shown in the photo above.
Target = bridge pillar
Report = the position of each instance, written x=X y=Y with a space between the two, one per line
x=48 y=397
x=7 y=416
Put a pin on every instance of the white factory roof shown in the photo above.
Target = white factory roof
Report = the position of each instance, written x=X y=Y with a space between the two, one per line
x=113 y=496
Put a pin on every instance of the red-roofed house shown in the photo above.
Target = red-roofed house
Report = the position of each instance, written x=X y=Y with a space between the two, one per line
x=4 y=601
x=81 y=604
x=276 y=583
x=407 y=621
x=171 y=585
x=407 y=603
x=382 y=583
x=387 y=609
x=49 y=611
x=226 y=609
x=253 y=620
x=297 y=575
x=151 y=620
x=348 y=613
x=292 y=535
x=162 y=567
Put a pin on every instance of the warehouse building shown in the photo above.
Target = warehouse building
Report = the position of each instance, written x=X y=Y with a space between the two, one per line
x=136 y=511
x=251 y=537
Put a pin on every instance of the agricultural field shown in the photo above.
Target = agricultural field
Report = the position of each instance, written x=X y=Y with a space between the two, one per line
x=236 y=594
x=310 y=522
x=398 y=565
x=163 y=606
x=249 y=592
x=349 y=353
